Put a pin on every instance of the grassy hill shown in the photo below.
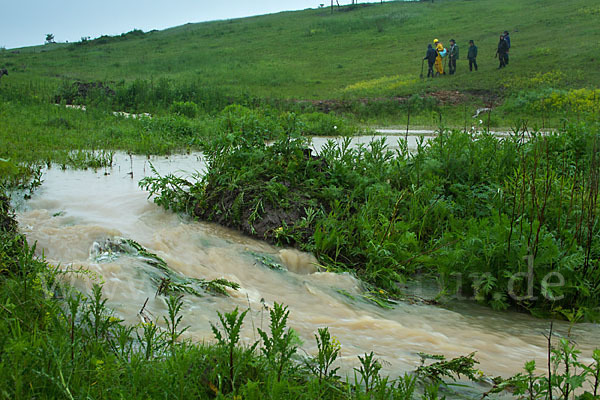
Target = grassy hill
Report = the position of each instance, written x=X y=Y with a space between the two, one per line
x=369 y=50
x=361 y=62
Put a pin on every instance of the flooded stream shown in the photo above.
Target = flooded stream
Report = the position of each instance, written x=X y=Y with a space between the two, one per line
x=75 y=209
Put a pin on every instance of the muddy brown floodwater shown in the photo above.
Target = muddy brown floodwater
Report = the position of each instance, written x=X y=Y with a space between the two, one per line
x=75 y=209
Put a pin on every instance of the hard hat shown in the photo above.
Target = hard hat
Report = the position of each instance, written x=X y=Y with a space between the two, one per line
x=435 y=40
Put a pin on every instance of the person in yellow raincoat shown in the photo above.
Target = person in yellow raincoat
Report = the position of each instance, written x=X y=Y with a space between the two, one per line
x=441 y=51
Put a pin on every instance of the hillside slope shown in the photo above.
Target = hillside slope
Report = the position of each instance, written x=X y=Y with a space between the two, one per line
x=366 y=51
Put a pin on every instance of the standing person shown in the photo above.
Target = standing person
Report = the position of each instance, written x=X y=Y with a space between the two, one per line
x=453 y=56
x=441 y=52
x=430 y=57
x=472 y=56
x=501 y=52
x=507 y=38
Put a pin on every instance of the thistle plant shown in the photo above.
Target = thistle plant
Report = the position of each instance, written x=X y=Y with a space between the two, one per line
x=279 y=347
x=174 y=304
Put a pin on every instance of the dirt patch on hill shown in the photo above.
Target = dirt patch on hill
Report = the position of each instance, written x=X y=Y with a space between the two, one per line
x=449 y=97
x=442 y=97
x=455 y=97
x=487 y=97
x=327 y=106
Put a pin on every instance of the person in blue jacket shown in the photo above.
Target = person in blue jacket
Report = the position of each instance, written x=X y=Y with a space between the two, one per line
x=507 y=39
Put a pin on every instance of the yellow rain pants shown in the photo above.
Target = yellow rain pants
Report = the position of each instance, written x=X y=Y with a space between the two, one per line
x=438 y=60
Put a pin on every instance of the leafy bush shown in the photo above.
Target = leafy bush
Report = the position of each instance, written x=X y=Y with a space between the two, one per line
x=169 y=126
x=540 y=80
x=185 y=108
x=548 y=100
x=320 y=124
x=479 y=210
x=245 y=122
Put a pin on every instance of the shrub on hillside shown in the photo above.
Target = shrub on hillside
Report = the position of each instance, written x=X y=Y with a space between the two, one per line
x=320 y=124
x=185 y=108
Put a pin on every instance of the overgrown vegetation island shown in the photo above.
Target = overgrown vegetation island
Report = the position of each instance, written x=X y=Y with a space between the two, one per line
x=510 y=221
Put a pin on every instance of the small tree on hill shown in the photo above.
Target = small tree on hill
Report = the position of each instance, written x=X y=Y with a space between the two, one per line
x=49 y=38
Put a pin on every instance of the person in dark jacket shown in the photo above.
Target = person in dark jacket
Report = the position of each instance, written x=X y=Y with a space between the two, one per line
x=453 y=56
x=430 y=57
x=507 y=38
x=472 y=56
x=501 y=52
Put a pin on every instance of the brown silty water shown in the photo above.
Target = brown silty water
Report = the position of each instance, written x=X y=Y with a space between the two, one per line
x=73 y=210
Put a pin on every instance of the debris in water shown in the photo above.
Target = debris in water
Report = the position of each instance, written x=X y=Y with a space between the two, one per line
x=167 y=281
x=376 y=297
x=346 y=293
x=268 y=261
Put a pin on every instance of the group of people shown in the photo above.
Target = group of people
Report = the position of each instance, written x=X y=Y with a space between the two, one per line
x=437 y=52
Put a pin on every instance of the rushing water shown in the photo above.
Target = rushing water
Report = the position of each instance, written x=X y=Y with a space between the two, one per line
x=75 y=209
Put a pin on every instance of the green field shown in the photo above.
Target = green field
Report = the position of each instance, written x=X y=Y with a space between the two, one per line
x=358 y=57
x=314 y=54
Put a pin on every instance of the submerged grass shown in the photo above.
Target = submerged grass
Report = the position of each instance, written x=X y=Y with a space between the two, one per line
x=167 y=281
x=40 y=134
